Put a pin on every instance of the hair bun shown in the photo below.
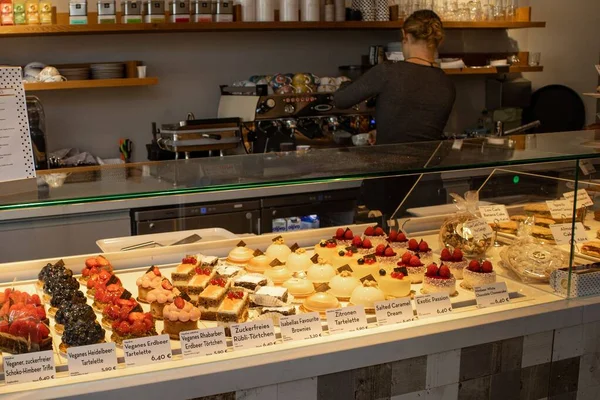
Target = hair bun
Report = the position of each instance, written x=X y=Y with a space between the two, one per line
x=425 y=25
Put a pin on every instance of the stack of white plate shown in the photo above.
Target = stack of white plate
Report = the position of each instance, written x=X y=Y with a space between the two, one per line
x=75 y=73
x=108 y=71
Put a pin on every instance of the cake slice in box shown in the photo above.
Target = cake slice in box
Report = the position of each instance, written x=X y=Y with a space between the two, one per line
x=234 y=308
x=250 y=282
x=269 y=296
x=199 y=282
x=185 y=271
x=211 y=298
x=275 y=313
x=209 y=261
x=228 y=271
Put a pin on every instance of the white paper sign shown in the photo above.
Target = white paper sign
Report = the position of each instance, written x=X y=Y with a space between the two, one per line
x=253 y=334
x=431 y=305
x=479 y=228
x=203 y=342
x=562 y=233
x=347 y=319
x=394 y=311
x=457 y=144
x=300 y=327
x=30 y=367
x=147 y=350
x=583 y=198
x=16 y=155
x=493 y=213
x=494 y=294
x=83 y=360
x=586 y=167
x=560 y=209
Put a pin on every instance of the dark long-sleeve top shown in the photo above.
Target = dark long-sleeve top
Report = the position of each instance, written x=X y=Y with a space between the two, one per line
x=413 y=101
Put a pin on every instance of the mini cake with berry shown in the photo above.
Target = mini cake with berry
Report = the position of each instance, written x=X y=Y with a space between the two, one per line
x=414 y=266
x=346 y=256
x=298 y=261
x=211 y=298
x=93 y=266
x=477 y=274
x=145 y=283
x=134 y=325
x=366 y=265
x=107 y=295
x=180 y=316
x=367 y=295
x=396 y=283
x=278 y=250
x=185 y=271
x=386 y=255
x=376 y=235
x=326 y=249
x=455 y=260
x=119 y=310
x=421 y=249
x=397 y=240
x=364 y=246
x=439 y=280
x=344 y=236
x=160 y=297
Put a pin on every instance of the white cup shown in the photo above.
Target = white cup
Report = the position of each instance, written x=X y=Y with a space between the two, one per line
x=141 y=71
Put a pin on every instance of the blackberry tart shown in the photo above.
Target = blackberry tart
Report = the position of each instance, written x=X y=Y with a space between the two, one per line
x=82 y=333
x=71 y=313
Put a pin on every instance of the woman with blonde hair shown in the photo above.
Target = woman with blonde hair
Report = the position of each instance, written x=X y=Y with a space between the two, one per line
x=414 y=98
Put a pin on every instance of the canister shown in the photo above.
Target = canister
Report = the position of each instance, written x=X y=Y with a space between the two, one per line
x=45 y=12
x=78 y=12
x=107 y=12
x=224 y=11
x=180 y=11
x=6 y=12
x=203 y=11
x=20 y=17
x=32 y=11
x=154 y=11
x=132 y=12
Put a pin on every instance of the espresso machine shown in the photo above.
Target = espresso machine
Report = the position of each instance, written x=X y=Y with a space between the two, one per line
x=275 y=121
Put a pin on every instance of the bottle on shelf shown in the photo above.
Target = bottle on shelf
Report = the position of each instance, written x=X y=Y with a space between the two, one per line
x=329 y=11
x=78 y=12
x=309 y=10
x=32 y=12
x=248 y=10
x=45 y=12
x=132 y=12
x=265 y=11
x=289 y=10
x=6 y=13
x=154 y=11
x=107 y=12
x=20 y=17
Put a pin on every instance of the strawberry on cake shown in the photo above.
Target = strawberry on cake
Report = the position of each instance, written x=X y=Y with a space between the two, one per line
x=375 y=234
x=364 y=246
x=93 y=266
x=477 y=274
x=180 y=316
x=397 y=240
x=150 y=280
x=134 y=325
x=439 y=280
x=455 y=260
x=421 y=249
x=414 y=266
x=120 y=309
x=386 y=255
x=161 y=296
x=103 y=278
x=344 y=236
x=106 y=295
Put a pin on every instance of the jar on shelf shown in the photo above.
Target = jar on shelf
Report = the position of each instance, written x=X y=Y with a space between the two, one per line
x=288 y=10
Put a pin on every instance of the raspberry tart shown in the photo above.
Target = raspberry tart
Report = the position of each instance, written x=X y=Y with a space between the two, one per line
x=180 y=316
x=375 y=234
x=394 y=284
x=93 y=266
x=439 y=280
x=414 y=266
x=145 y=283
x=364 y=246
x=119 y=310
x=397 y=240
x=477 y=274
x=421 y=249
x=326 y=249
x=455 y=260
x=386 y=255
x=344 y=237
x=134 y=325
x=278 y=250
x=160 y=297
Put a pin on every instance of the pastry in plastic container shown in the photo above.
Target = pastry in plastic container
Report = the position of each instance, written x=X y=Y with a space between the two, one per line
x=533 y=261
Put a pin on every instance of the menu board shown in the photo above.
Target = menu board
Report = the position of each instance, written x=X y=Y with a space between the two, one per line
x=16 y=155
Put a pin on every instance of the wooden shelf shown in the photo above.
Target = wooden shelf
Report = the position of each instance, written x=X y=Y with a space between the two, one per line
x=62 y=29
x=594 y=95
x=90 y=84
x=492 y=70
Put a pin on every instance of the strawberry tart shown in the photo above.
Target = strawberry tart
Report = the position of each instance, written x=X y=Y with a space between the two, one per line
x=455 y=260
x=375 y=234
x=93 y=266
x=439 y=280
x=364 y=246
x=397 y=240
x=421 y=249
x=161 y=296
x=344 y=236
x=150 y=280
x=106 y=295
x=120 y=309
x=132 y=325
x=326 y=249
x=180 y=316
x=386 y=255
x=103 y=278
x=477 y=274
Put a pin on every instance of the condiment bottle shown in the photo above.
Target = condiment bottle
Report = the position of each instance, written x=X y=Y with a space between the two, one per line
x=154 y=11
x=45 y=12
x=78 y=12
x=180 y=11
x=107 y=12
x=202 y=10
x=32 y=12
x=6 y=12
x=19 y=12
x=224 y=11
x=132 y=12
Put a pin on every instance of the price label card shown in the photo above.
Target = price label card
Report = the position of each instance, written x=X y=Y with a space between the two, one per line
x=479 y=228
x=560 y=209
x=586 y=167
x=394 y=311
x=253 y=334
x=300 y=327
x=494 y=294
x=457 y=144
x=583 y=198
x=147 y=350
x=562 y=233
x=30 y=367
x=496 y=212
x=347 y=319
x=430 y=305
x=83 y=360
x=203 y=342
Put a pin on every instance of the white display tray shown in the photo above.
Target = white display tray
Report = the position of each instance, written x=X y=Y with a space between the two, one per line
x=166 y=239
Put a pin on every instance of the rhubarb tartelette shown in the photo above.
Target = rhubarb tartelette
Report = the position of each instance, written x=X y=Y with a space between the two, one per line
x=376 y=235
x=161 y=296
x=180 y=316
x=439 y=280
x=145 y=283
x=455 y=261
x=477 y=274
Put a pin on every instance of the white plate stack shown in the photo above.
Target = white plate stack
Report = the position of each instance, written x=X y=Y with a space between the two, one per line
x=108 y=71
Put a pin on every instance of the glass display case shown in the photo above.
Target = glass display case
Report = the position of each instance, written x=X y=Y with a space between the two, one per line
x=407 y=239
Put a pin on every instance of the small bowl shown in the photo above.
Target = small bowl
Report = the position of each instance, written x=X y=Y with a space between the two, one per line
x=361 y=139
